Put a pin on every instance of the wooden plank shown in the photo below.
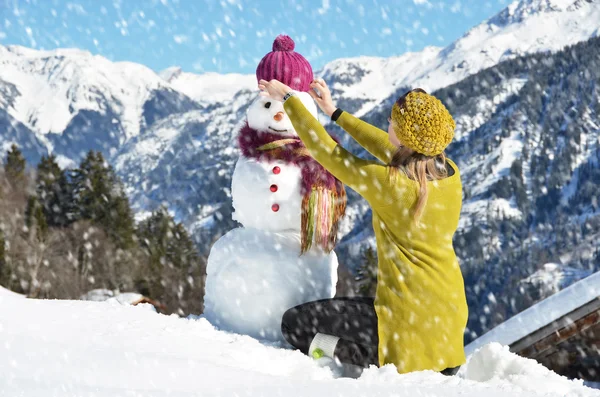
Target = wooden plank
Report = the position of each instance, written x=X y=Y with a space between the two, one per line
x=523 y=344
x=575 y=357
x=537 y=349
x=564 y=334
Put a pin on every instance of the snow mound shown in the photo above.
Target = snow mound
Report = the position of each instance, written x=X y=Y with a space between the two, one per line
x=76 y=348
x=496 y=365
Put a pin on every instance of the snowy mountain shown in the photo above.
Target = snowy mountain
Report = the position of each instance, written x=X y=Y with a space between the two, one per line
x=524 y=27
x=73 y=101
x=58 y=95
x=186 y=160
x=107 y=349
x=366 y=85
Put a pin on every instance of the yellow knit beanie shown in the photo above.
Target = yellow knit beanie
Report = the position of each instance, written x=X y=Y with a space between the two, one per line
x=422 y=123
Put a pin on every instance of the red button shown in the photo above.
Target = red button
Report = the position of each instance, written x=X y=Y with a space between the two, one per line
x=275 y=207
x=276 y=170
x=273 y=188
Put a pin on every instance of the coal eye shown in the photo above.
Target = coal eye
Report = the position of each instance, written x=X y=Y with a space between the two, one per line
x=268 y=105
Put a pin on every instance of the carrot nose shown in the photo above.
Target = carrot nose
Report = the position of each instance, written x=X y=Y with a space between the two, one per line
x=278 y=116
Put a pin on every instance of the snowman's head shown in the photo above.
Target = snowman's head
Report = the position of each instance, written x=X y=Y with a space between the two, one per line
x=267 y=115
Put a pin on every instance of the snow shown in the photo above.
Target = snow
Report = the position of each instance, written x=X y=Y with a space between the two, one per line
x=552 y=277
x=209 y=87
x=500 y=159
x=479 y=209
x=254 y=276
x=76 y=348
x=97 y=295
x=123 y=298
x=127 y=298
x=158 y=140
x=55 y=85
x=486 y=108
x=144 y=153
x=494 y=363
x=541 y=314
x=589 y=144
x=378 y=78
x=65 y=162
x=9 y=293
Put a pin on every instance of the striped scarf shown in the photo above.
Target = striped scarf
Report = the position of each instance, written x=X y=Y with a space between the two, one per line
x=323 y=195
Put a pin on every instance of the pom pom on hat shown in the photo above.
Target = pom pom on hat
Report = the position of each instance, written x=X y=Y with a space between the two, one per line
x=285 y=65
x=283 y=43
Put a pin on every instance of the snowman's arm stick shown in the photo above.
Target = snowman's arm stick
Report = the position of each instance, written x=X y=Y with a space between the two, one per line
x=368 y=178
x=374 y=140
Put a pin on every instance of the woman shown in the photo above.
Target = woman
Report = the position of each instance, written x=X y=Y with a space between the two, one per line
x=419 y=314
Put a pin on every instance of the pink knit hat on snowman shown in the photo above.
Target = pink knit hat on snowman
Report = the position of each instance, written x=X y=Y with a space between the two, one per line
x=285 y=65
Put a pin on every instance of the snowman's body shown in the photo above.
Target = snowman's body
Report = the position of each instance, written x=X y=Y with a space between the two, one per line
x=254 y=276
x=255 y=273
x=258 y=186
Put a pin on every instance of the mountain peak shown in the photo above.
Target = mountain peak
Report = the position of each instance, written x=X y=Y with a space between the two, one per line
x=520 y=10
x=170 y=73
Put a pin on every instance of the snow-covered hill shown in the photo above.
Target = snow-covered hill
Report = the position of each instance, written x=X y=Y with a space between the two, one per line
x=76 y=348
x=171 y=136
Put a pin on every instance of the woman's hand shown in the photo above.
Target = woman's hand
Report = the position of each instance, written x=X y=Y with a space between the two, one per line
x=324 y=99
x=274 y=89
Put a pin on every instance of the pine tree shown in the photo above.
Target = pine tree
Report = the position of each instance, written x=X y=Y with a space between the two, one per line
x=367 y=273
x=100 y=198
x=14 y=166
x=177 y=272
x=120 y=223
x=92 y=186
x=167 y=242
x=54 y=192
x=35 y=218
x=518 y=186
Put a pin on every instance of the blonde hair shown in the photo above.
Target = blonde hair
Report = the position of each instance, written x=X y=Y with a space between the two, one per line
x=420 y=168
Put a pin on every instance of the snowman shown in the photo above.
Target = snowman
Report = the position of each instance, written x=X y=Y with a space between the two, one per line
x=289 y=207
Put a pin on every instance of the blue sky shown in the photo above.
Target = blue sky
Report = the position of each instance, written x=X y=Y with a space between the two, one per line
x=232 y=35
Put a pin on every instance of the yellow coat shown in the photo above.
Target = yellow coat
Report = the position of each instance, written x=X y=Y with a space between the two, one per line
x=420 y=299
